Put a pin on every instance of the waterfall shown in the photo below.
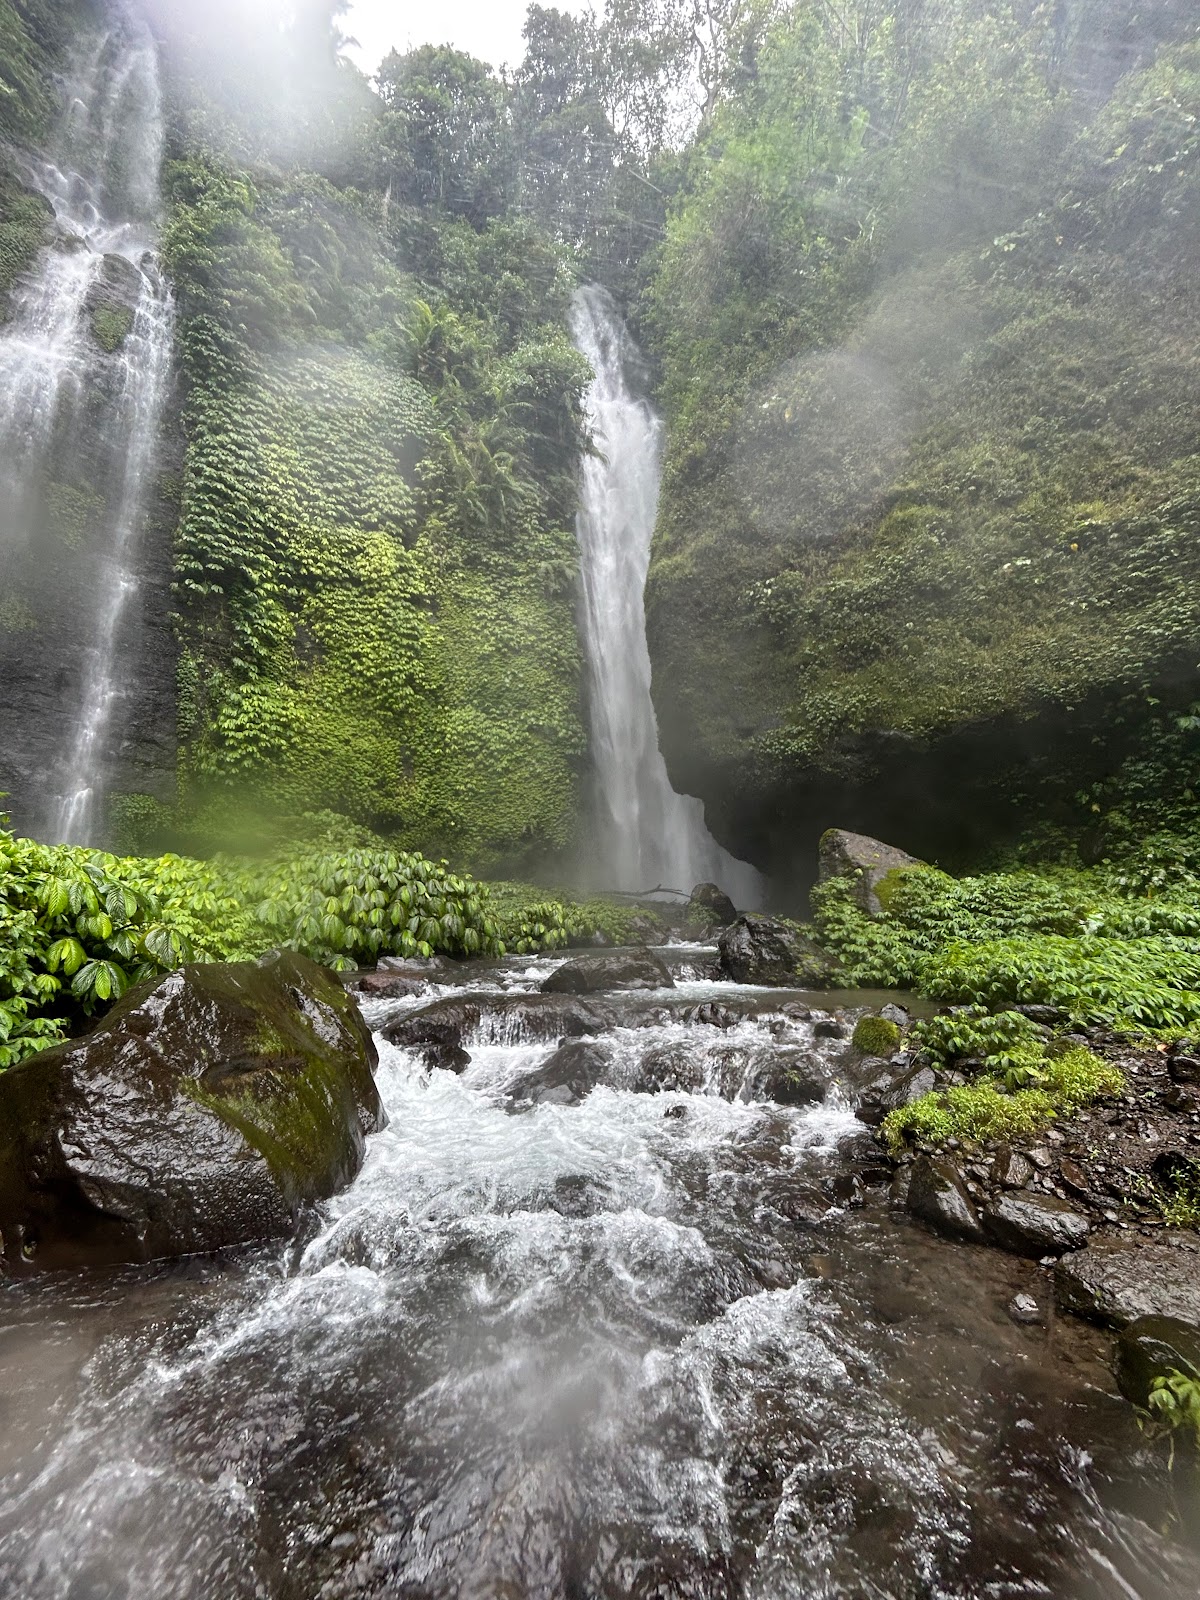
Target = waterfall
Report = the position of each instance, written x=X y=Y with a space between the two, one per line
x=84 y=374
x=646 y=834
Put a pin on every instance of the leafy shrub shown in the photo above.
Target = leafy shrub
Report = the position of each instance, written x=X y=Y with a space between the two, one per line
x=367 y=903
x=77 y=930
x=1084 y=941
x=1000 y=1039
x=876 y=1036
x=1175 y=1402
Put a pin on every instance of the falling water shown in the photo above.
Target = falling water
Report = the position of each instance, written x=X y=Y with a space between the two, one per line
x=79 y=422
x=647 y=835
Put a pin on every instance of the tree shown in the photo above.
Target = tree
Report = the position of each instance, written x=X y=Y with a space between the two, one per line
x=447 y=133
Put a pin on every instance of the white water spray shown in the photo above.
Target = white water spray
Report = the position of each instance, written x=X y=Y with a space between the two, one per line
x=647 y=834
x=67 y=402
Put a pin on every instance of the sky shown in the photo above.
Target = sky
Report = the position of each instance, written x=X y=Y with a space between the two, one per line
x=489 y=29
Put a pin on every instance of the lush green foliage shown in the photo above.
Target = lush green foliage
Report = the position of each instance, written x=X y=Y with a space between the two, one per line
x=1175 y=1402
x=1082 y=940
x=79 y=927
x=1008 y=1044
x=375 y=561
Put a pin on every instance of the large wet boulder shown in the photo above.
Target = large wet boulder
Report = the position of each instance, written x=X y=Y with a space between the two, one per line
x=207 y=1110
x=864 y=861
x=938 y=1196
x=710 y=907
x=1118 y=1285
x=564 y=1078
x=762 y=950
x=616 y=969
x=460 y=1020
x=1035 y=1225
x=1152 y=1348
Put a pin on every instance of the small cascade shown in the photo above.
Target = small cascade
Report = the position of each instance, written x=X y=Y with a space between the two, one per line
x=85 y=367
x=646 y=834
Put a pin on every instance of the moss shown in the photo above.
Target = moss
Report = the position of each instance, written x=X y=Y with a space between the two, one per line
x=24 y=229
x=111 y=326
x=969 y=1112
x=16 y=616
x=876 y=1036
x=71 y=511
x=981 y=1111
x=889 y=885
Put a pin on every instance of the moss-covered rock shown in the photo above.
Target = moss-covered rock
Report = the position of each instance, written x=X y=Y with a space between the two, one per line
x=205 y=1111
x=876 y=1036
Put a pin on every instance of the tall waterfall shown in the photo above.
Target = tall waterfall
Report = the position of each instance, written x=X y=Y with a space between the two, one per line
x=646 y=834
x=84 y=374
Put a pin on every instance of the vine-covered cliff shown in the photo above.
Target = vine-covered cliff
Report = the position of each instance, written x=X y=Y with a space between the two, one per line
x=927 y=553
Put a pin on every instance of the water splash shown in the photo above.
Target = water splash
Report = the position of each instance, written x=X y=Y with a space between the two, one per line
x=79 y=422
x=646 y=834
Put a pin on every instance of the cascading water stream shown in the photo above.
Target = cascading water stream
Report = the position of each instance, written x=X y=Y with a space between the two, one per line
x=84 y=374
x=630 y=1346
x=647 y=835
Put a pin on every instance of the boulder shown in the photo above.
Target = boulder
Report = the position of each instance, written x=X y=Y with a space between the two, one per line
x=866 y=862
x=761 y=950
x=385 y=986
x=889 y=1090
x=1119 y=1285
x=620 y=969
x=938 y=1196
x=496 y=1019
x=1153 y=1347
x=710 y=907
x=563 y=1079
x=205 y=1111
x=1035 y=1225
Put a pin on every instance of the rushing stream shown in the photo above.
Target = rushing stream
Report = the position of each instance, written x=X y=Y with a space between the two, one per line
x=84 y=372
x=636 y=1346
x=647 y=835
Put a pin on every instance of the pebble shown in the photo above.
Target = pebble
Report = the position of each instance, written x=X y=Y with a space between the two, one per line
x=1024 y=1308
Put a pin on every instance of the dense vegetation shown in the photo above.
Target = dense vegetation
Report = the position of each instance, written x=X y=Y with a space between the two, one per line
x=928 y=333
x=79 y=927
x=1095 y=943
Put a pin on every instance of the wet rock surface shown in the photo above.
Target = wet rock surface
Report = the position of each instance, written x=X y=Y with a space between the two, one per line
x=1035 y=1225
x=205 y=1111
x=937 y=1195
x=710 y=907
x=593 y=974
x=760 y=950
x=1117 y=1283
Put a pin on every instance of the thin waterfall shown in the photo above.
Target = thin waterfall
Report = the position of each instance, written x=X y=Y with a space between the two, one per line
x=85 y=365
x=645 y=834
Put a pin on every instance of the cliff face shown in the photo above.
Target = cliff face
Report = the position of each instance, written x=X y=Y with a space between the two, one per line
x=350 y=583
x=86 y=654
x=926 y=561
